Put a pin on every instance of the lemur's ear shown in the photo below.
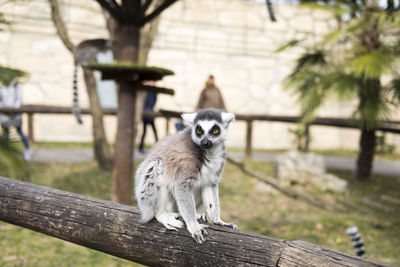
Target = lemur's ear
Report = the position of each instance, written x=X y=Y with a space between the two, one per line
x=227 y=118
x=189 y=117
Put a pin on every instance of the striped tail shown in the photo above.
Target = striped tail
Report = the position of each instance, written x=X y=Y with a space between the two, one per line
x=75 y=101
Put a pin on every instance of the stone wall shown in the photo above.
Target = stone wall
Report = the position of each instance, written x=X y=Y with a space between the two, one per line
x=232 y=39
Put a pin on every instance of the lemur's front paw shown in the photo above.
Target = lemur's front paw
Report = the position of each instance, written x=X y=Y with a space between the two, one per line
x=231 y=224
x=197 y=233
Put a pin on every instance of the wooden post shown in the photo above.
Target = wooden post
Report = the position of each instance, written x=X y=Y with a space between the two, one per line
x=307 y=137
x=167 y=119
x=128 y=48
x=249 y=139
x=31 y=133
x=115 y=229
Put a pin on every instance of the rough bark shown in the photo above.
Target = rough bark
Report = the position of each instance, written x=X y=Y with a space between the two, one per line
x=115 y=229
x=127 y=49
x=366 y=155
x=369 y=96
x=100 y=145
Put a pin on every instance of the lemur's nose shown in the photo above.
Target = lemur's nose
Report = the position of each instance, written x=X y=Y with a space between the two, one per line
x=205 y=143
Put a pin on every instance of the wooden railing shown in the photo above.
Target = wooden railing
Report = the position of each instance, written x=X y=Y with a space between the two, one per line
x=31 y=110
x=115 y=229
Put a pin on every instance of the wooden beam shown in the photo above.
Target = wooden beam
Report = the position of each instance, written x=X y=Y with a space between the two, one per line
x=157 y=11
x=115 y=229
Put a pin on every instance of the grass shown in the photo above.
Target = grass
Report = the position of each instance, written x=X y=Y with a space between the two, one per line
x=268 y=213
x=330 y=152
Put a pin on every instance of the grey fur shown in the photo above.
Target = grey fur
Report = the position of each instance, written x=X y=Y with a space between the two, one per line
x=208 y=114
x=179 y=176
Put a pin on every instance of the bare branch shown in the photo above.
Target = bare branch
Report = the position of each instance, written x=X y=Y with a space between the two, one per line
x=144 y=7
x=115 y=12
x=60 y=25
x=157 y=11
x=270 y=9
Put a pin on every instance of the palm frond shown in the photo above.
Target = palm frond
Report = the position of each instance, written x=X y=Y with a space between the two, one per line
x=394 y=89
x=314 y=59
x=371 y=65
x=344 y=85
x=289 y=44
x=7 y=75
x=373 y=105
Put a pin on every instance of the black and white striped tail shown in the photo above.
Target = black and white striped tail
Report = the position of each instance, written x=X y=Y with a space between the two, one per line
x=75 y=101
x=358 y=243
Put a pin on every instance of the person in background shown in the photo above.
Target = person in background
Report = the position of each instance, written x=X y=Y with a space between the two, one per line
x=211 y=96
x=149 y=104
x=11 y=97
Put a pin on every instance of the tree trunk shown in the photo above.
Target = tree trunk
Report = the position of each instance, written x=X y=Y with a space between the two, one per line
x=100 y=147
x=127 y=47
x=366 y=154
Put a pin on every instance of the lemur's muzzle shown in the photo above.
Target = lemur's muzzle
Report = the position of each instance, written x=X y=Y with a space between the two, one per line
x=205 y=143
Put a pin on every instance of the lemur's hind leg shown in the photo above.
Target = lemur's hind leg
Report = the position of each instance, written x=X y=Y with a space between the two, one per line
x=148 y=188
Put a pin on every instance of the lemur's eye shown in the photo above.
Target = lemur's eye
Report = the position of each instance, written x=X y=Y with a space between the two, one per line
x=199 y=131
x=215 y=130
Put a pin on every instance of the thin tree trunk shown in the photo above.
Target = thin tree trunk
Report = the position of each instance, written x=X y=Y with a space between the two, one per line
x=128 y=47
x=100 y=146
x=366 y=155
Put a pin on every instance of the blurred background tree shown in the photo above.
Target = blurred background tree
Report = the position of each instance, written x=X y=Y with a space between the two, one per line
x=350 y=62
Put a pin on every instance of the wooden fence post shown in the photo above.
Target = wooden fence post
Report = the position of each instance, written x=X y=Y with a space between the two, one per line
x=249 y=139
x=31 y=133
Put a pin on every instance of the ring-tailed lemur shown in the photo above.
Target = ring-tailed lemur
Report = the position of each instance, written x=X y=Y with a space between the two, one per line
x=85 y=52
x=182 y=172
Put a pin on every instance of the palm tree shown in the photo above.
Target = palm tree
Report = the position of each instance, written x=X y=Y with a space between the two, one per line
x=350 y=62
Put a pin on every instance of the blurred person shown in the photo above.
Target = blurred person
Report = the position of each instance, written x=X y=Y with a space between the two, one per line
x=210 y=96
x=11 y=97
x=149 y=104
x=179 y=125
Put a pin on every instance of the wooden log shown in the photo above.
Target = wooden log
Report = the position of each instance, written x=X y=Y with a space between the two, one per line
x=313 y=200
x=390 y=199
x=377 y=205
x=115 y=229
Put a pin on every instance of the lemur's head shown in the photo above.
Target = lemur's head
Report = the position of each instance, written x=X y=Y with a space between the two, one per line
x=209 y=126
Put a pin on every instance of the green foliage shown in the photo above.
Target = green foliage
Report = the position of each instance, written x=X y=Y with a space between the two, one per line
x=350 y=61
x=12 y=164
x=300 y=137
x=9 y=75
x=382 y=147
x=289 y=44
x=371 y=65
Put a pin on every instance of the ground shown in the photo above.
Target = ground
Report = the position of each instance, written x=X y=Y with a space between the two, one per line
x=268 y=213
